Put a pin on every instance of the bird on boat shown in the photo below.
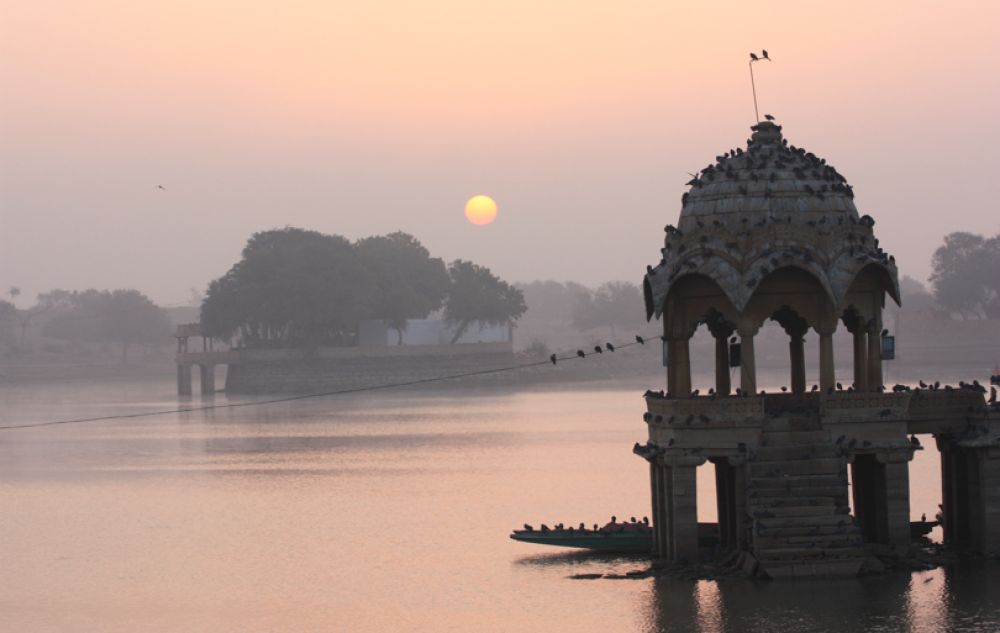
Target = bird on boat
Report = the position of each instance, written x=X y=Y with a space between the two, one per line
x=528 y=528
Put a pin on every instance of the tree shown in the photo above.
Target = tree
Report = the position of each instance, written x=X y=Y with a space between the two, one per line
x=291 y=287
x=614 y=304
x=476 y=294
x=410 y=283
x=914 y=295
x=123 y=317
x=966 y=277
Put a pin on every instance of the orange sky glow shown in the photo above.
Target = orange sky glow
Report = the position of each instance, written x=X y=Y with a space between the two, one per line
x=372 y=117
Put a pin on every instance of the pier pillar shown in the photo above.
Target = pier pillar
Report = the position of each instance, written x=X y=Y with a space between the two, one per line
x=183 y=380
x=875 y=355
x=896 y=473
x=678 y=368
x=722 y=383
x=827 y=373
x=207 y=375
x=797 y=355
x=860 y=359
x=661 y=539
x=989 y=500
x=748 y=364
x=684 y=513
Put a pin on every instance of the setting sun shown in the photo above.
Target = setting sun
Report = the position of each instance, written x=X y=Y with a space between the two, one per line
x=480 y=210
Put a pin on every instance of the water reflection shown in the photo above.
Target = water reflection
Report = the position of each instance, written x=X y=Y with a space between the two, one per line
x=960 y=598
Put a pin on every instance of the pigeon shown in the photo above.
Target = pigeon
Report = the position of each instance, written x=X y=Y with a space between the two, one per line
x=768 y=117
x=598 y=350
x=580 y=353
x=640 y=340
x=753 y=57
x=610 y=347
x=553 y=359
x=764 y=53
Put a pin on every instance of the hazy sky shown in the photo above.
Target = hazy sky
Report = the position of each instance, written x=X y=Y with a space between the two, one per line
x=361 y=118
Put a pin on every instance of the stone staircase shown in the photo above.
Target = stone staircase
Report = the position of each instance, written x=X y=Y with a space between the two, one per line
x=797 y=498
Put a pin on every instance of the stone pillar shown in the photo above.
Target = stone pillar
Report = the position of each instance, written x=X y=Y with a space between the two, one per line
x=875 y=355
x=657 y=509
x=989 y=498
x=722 y=386
x=183 y=380
x=860 y=359
x=684 y=511
x=207 y=374
x=678 y=368
x=797 y=356
x=897 y=498
x=748 y=366
x=827 y=374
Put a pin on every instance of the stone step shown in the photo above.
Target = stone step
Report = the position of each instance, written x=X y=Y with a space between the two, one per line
x=807 y=553
x=771 y=503
x=816 y=466
x=793 y=511
x=807 y=531
x=838 y=519
x=792 y=482
x=803 y=451
x=838 y=492
x=833 y=541
x=794 y=438
x=843 y=567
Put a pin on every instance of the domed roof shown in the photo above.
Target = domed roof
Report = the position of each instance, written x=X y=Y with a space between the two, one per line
x=767 y=207
x=770 y=179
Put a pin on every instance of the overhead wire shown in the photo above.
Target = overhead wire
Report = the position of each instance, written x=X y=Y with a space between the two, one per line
x=553 y=360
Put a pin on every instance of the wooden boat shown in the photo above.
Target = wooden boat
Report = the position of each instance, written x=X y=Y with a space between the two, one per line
x=635 y=539
x=624 y=541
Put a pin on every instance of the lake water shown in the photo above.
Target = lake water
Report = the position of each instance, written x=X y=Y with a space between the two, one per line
x=381 y=513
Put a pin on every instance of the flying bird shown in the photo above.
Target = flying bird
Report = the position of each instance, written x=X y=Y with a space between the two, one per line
x=161 y=187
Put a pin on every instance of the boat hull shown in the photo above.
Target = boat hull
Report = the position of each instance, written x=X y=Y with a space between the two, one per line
x=619 y=542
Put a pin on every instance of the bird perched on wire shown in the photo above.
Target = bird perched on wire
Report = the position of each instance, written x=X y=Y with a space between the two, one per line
x=610 y=347
x=753 y=57
x=598 y=350
x=764 y=55
x=640 y=340
x=553 y=359
x=581 y=353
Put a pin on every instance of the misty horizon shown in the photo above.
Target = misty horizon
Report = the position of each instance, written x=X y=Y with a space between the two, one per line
x=252 y=120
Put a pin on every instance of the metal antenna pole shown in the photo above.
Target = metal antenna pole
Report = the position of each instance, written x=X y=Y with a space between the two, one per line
x=754 y=86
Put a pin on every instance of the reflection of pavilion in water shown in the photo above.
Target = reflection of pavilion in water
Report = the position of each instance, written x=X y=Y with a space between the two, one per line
x=946 y=599
x=772 y=233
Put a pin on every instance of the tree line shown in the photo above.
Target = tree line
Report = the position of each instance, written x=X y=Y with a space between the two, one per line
x=299 y=288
